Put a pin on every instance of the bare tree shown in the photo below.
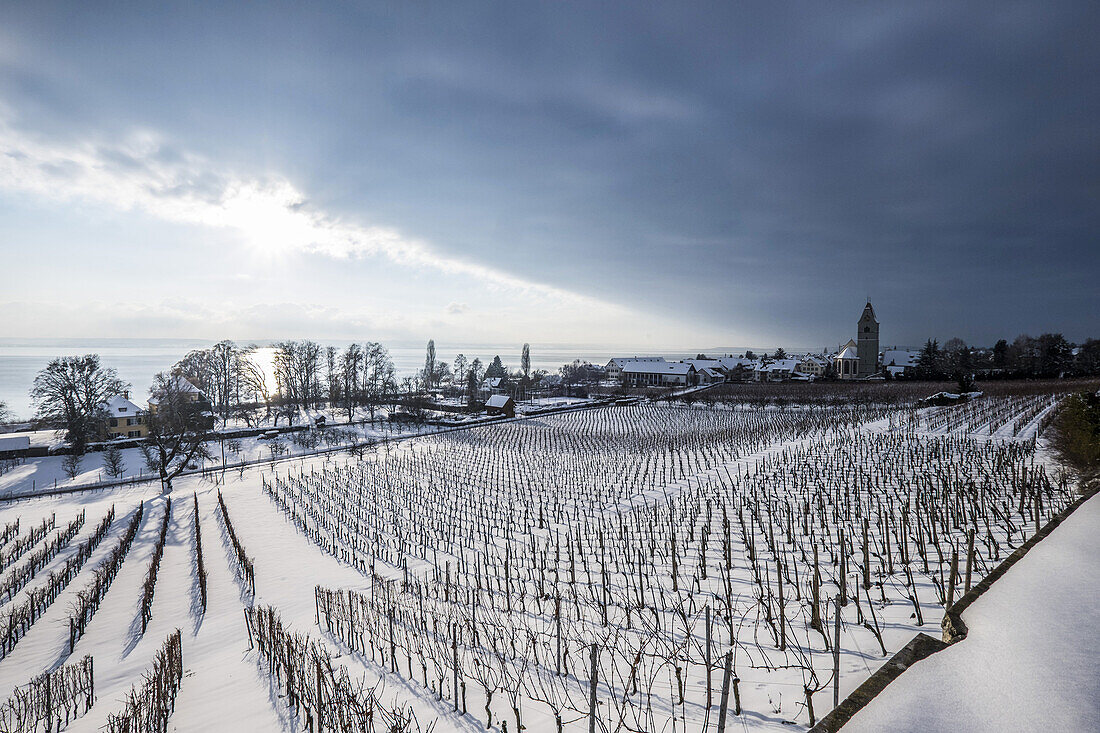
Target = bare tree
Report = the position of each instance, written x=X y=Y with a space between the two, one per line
x=253 y=381
x=379 y=377
x=178 y=425
x=351 y=364
x=217 y=372
x=69 y=392
x=297 y=372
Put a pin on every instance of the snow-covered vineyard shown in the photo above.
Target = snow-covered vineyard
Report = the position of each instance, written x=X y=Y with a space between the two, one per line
x=630 y=568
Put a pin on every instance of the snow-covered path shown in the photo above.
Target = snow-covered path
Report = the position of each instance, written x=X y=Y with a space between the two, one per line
x=1031 y=659
x=222 y=687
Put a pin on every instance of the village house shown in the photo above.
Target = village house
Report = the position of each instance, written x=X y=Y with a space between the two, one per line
x=491 y=386
x=899 y=361
x=709 y=371
x=186 y=389
x=812 y=365
x=736 y=368
x=124 y=418
x=779 y=370
x=710 y=375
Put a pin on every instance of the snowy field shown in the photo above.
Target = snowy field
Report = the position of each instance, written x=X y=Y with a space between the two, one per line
x=637 y=565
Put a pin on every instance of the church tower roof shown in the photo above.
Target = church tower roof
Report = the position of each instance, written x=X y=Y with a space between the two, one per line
x=868 y=312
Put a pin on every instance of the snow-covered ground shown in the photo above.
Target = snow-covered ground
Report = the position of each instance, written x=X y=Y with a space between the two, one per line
x=489 y=508
x=1031 y=658
x=49 y=472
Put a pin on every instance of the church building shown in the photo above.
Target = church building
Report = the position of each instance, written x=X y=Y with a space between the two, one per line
x=867 y=340
x=858 y=359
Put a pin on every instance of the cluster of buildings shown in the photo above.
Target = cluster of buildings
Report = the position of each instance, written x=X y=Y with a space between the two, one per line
x=859 y=358
x=655 y=371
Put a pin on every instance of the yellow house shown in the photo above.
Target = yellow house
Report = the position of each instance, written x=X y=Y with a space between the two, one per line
x=124 y=418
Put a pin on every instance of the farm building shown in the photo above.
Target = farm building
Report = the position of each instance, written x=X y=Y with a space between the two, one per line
x=659 y=374
x=14 y=446
x=500 y=404
x=615 y=367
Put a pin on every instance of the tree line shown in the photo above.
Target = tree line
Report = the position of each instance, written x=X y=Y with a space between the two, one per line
x=1048 y=356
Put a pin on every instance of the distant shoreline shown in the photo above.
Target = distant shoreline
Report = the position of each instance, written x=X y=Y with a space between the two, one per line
x=137 y=359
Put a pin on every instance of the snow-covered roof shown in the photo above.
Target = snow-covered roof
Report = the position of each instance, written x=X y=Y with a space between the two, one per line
x=712 y=373
x=623 y=361
x=848 y=352
x=119 y=406
x=900 y=357
x=498 y=400
x=181 y=385
x=781 y=365
x=869 y=309
x=493 y=381
x=732 y=362
x=18 y=442
x=701 y=363
x=659 y=367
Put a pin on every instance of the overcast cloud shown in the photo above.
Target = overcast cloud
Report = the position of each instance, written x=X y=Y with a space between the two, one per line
x=649 y=174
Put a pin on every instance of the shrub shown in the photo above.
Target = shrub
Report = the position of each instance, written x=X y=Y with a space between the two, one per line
x=1075 y=436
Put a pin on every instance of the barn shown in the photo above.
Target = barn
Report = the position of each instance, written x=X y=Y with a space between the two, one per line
x=500 y=404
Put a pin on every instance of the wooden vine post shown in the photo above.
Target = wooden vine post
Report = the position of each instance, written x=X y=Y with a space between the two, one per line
x=836 y=655
x=725 y=692
x=595 y=655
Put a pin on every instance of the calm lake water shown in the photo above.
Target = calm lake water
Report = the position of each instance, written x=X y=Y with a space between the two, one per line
x=137 y=360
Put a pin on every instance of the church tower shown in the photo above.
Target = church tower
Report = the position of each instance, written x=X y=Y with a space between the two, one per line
x=867 y=342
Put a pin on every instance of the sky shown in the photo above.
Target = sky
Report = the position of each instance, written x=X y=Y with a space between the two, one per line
x=667 y=174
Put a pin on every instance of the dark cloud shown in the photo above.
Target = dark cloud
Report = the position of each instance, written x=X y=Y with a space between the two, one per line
x=759 y=166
